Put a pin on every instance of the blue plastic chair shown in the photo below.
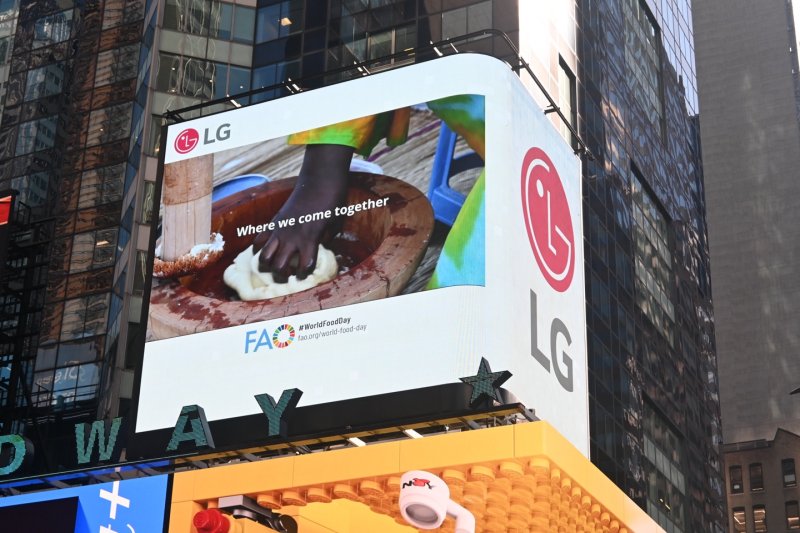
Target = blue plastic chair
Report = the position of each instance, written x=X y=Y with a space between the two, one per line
x=447 y=202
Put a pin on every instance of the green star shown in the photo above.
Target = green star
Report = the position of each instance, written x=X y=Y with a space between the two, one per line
x=485 y=383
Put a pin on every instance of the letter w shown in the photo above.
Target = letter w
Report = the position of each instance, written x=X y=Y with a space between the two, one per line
x=106 y=444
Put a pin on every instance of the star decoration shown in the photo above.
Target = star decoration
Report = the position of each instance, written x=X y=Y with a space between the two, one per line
x=485 y=383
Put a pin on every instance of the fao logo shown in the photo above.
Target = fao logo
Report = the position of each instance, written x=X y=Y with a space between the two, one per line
x=547 y=219
x=186 y=141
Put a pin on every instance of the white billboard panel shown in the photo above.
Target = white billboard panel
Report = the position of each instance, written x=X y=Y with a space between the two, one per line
x=410 y=304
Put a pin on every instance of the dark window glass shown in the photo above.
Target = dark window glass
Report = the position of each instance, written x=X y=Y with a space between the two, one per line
x=168 y=71
x=789 y=476
x=221 y=20
x=739 y=520
x=268 y=24
x=642 y=56
x=220 y=80
x=654 y=280
x=243 y=24
x=756 y=477
x=36 y=135
x=239 y=80
x=5 y=48
x=566 y=99
x=760 y=518
x=52 y=29
x=792 y=515
x=139 y=278
x=737 y=486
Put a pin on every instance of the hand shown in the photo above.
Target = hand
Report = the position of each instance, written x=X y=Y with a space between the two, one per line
x=321 y=186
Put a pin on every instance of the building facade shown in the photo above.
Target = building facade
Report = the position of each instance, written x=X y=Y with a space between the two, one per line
x=622 y=72
x=751 y=148
x=747 y=57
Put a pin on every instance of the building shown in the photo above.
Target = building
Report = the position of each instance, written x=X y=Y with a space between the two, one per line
x=622 y=73
x=750 y=87
x=747 y=58
x=762 y=484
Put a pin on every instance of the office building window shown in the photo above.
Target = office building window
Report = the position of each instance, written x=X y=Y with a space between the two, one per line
x=44 y=81
x=279 y=20
x=756 y=477
x=642 y=57
x=52 y=29
x=789 y=476
x=566 y=99
x=466 y=20
x=735 y=473
x=739 y=520
x=760 y=518
x=653 y=258
x=792 y=515
x=36 y=135
x=666 y=483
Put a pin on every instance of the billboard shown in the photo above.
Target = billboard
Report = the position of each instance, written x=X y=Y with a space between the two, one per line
x=374 y=236
x=521 y=477
x=129 y=506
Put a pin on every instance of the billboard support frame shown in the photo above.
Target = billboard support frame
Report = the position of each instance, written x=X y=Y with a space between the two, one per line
x=362 y=67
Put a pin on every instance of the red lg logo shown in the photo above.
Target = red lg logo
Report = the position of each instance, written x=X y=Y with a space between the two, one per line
x=186 y=141
x=547 y=219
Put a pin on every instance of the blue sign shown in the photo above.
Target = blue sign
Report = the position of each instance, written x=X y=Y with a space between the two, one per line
x=129 y=506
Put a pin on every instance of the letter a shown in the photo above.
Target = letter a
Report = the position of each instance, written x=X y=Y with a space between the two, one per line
x=199 y=432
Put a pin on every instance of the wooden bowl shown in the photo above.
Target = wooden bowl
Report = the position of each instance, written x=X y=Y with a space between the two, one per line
x=384 y=246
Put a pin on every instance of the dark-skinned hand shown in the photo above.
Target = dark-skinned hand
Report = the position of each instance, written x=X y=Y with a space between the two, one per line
x=321 y=186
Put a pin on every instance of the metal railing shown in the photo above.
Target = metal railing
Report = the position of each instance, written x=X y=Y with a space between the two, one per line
x=438 y=49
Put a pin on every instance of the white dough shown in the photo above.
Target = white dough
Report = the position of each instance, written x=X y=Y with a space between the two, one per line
x=244 y=277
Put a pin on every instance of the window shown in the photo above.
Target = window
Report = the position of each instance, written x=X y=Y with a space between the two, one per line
x=36 y=135
x=52 y=29
x=735 y=473
x=760 y=518
x=243 y=24
x=33 y=188
x=739 y=520
x=221 y=20
x=93 y=249
x=642 y=57
x=566 y=99
x=279 y=20
x=666 y=483
x=148 y=198
x=466 y=20
x=654 y=280
x=789 y=476
x=792 y=515
x=5 y=48
x=756 y=477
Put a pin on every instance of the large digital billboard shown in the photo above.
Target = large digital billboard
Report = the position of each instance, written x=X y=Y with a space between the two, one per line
x=378 y=235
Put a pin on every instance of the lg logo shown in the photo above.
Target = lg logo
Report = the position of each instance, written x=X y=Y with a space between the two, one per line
x=549 y=226
x=188 y=139
x=547 y=219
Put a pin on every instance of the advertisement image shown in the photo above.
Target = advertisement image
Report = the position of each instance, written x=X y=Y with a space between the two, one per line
x=461 y=482
x=355 y=241
x=316 y=220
